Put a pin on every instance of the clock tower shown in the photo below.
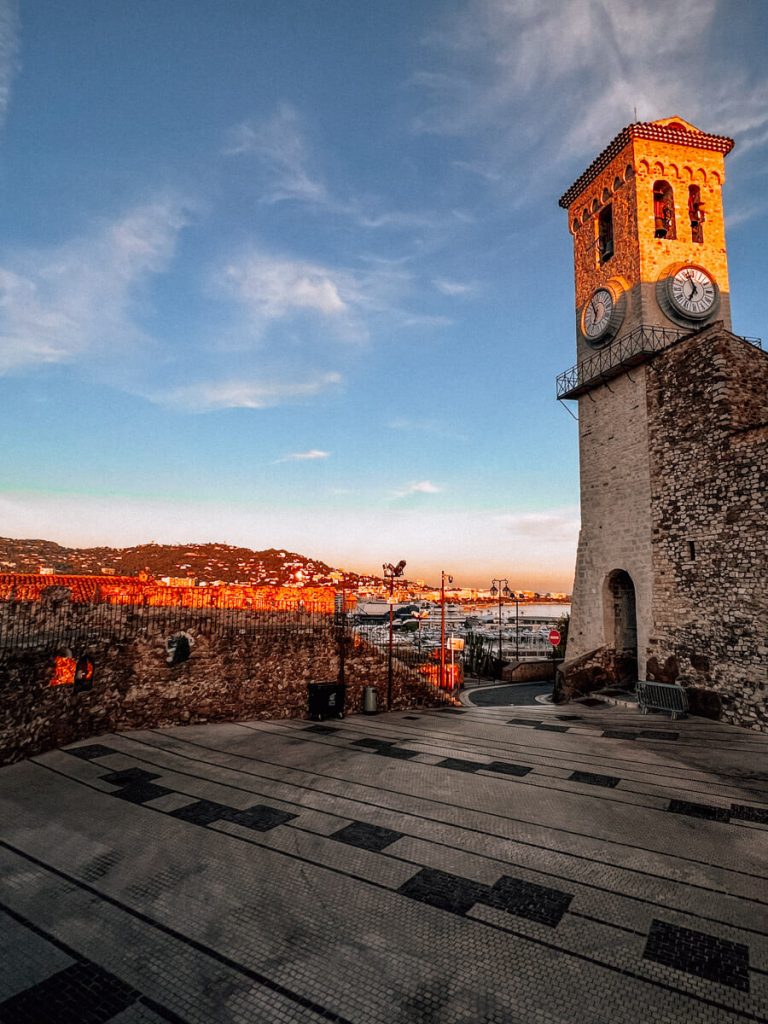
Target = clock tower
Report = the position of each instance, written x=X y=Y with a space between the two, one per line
x=649 y=237
x=659 y=377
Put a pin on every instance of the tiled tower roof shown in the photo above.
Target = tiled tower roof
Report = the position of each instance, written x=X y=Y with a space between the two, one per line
x=673 y=131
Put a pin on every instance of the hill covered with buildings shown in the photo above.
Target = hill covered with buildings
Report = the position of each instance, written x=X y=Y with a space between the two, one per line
x=205 y=563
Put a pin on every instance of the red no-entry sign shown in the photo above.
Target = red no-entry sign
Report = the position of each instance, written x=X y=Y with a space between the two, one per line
x=554 y=637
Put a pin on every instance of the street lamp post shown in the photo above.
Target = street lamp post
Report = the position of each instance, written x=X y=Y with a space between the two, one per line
x=496 y=588
x=340 y=621
x=443 y=577
x=391 y=572
x=517 y=626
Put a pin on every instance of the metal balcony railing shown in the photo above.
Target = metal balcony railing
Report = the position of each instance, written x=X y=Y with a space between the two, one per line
x=620 y=355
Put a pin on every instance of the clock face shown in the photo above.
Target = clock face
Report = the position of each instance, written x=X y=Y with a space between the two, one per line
x=693 y=293
x=597 y=314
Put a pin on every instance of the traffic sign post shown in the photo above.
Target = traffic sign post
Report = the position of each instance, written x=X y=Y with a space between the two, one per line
x=554 y=639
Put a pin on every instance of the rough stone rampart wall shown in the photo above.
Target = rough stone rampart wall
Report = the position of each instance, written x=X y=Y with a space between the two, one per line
x=594 y=670
x=615 y=510
x=708 y=437
x=228 y=677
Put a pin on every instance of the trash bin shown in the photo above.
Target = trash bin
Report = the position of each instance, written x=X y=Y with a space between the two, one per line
x=370 y=700
x=326 y=700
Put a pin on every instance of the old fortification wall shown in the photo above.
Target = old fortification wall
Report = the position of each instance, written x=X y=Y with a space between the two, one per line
x=708 y=438
x=228 y=676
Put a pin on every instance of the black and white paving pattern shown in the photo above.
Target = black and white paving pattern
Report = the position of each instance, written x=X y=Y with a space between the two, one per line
x=482 y=865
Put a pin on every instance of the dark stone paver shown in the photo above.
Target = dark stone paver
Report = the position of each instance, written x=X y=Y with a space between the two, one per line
x=709 y=812
x=505 y=768
x=321 y=730
x=524 y=899
x=367 y=837
x=80 y=994
x=399 y=753
x=443 y=890
x=460 y=765
x=374 y=744
x=695 y=952
x=91 y=751
x=593 y=779
x=744 y=813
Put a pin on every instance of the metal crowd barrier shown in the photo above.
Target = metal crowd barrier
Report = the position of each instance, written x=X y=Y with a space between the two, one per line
x=661 y=697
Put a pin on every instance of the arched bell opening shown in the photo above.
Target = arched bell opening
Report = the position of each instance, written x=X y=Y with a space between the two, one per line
x=664 y=211
x=620 y=613
x=696 y=213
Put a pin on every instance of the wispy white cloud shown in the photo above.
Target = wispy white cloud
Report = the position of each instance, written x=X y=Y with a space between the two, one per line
x=425 y=320
x=419 y=487
x=275 y=287
x=310 y=456
x=278 y=144
x=395 y=218
x=454 y=287
x=272 y=288
x=566 y=74
x=9 y=52
x=79 y=299
x=344 y=302
x=208 y=396
x=745 y=213
x=488 y=173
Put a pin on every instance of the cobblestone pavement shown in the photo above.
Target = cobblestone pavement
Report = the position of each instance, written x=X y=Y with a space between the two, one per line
x=577 y=865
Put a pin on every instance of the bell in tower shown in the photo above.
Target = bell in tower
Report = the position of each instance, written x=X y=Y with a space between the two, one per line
x=672 y=436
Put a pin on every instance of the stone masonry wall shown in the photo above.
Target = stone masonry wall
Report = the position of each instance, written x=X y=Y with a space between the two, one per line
x=615 y=511
x=228 y=677
x=708 y=437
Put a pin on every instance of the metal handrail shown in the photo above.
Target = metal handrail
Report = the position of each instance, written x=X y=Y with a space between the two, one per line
x=630 y=349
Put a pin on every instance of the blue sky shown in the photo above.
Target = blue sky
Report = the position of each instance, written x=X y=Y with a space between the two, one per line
x=289 y=273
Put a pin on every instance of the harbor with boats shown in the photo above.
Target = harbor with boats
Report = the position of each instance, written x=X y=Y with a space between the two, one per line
x=477 y=637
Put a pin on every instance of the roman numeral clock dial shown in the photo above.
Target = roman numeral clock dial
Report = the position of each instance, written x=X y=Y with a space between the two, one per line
x=601 y=316
x=689 y=294
x=597 y=313
x=693 y=291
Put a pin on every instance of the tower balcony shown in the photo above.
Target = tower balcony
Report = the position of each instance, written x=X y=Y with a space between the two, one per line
x=621 y=355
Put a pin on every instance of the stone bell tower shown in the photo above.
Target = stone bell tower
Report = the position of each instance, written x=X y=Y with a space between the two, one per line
x=652 y=317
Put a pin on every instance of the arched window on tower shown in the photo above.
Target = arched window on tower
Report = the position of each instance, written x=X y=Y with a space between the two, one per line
x=696 y=213
x=663 y=210
x=605 y=233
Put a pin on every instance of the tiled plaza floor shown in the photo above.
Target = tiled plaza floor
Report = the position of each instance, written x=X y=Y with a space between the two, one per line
x=582 y=865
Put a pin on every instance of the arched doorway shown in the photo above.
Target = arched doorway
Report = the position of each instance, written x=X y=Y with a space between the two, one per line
x=620 y=610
